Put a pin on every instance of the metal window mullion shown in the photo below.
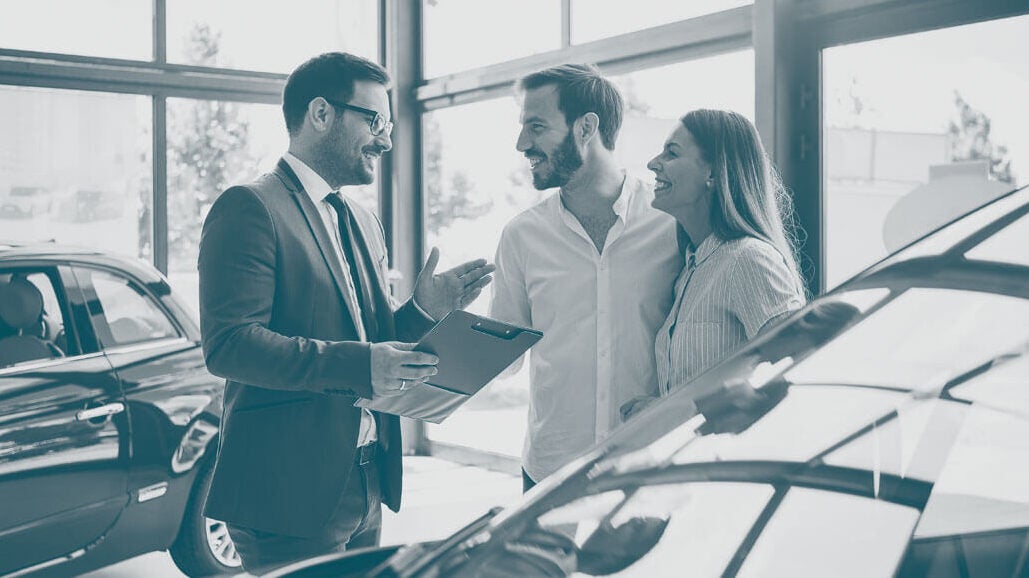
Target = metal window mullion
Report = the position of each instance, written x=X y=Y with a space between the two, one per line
x=159 y=210
x=160 y=31
x=566 y=23
x=401 y=196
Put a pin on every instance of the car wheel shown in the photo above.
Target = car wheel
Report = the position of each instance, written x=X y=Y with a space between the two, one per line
x=203 y=546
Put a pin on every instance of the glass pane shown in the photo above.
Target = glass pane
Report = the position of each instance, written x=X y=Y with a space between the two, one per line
x=125 y=30
x=595 y=19
x=703 y=523
x=130 y=315
x=943 y=240
x=212 y=145
x=802 y=417
x=899 y=163
x=816 y=533
x=667 y=530
x=32 y=320
x=270 y=36
x=1007 y=246
x=656 y=98
x=475 y=182
x=920 y=341
x=75 y=167
x=464 y=34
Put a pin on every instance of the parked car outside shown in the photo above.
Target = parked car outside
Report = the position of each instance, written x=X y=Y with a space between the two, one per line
x=882 y=430
x=108 y=418
x=25 y=202
x=87 y=205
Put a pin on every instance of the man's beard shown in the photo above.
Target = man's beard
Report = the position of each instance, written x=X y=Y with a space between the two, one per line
x=344 y=168
x=564 y=162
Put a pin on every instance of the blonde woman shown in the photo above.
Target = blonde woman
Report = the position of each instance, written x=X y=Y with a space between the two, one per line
x=741 y=273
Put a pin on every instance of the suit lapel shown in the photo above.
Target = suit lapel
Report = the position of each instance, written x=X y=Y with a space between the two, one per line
x=321 y=236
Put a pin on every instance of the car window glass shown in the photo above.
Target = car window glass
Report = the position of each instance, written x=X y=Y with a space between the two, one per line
x=799 y=428
x=942 y=241
x=1009 y=245
x=31 y=318
x=1005 y=385
x=913 y=443
x=919 y=341
x=818 y=533
x=648 y=531
x=131 y=315
x=984 y=485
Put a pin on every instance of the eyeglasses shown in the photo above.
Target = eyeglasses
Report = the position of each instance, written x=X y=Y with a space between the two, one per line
x=376 y=124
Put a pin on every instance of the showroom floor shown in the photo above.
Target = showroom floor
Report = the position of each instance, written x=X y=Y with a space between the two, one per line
x=439 y=498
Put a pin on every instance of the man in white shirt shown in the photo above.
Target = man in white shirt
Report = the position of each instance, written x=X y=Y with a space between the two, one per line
x=592 y=267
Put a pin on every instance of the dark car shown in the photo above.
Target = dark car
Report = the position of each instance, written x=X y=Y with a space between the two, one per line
x=108 y=417
x=883 y=430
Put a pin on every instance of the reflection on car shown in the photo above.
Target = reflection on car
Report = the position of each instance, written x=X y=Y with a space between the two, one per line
x=25 y=202
x=108 y=418
x=883 y=430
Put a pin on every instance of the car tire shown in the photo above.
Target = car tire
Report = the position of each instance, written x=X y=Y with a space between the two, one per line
x=203 y=546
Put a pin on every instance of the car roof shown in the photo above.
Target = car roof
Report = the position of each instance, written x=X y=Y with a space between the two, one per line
x=60 y=253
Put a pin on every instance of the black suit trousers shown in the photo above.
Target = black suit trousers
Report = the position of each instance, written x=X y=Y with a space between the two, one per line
x=356 y=523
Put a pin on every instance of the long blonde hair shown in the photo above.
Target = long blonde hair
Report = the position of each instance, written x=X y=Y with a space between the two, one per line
x=749 y=197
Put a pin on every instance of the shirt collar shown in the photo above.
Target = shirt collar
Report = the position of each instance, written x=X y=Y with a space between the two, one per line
x=314 y=185
x=620 y=207
x=707 y=247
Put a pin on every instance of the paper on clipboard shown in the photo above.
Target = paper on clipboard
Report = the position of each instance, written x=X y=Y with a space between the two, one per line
x=472 y=350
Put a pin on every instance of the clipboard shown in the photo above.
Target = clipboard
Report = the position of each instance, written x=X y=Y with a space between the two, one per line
x=472 y=350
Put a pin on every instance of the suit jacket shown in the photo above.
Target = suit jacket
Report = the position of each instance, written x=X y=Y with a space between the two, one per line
x=278 y=324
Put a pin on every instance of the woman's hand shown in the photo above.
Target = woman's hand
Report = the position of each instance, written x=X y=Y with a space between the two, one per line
x=635 y=405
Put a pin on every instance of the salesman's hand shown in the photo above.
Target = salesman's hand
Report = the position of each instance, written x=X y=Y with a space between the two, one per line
x=440 y=293
x=396 y=368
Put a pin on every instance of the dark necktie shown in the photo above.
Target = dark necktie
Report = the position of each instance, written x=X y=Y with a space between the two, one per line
x=353 y=245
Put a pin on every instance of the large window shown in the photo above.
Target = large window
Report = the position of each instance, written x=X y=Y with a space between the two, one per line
x=475 y=182
x=212 y=145
x=596 y=19
x=463 y=34
x=75 y=167
x=903 y=155
x=272 y=36
x=656 y=98
x=77 y=27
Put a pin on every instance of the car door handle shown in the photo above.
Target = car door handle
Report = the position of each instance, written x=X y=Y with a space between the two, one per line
x=100 y=412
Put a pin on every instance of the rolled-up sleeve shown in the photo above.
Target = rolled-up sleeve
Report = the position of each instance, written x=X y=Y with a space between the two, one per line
x=763 y=287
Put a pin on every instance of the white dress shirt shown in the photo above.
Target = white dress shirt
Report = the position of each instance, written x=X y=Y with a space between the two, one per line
x=317 y=189
x=598 y=311
x=734 y=289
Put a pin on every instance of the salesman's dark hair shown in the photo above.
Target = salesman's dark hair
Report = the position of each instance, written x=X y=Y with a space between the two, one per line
x=330 y=75
x=581 y=89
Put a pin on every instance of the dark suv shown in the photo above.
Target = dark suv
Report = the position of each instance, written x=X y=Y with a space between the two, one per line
x=108 y=417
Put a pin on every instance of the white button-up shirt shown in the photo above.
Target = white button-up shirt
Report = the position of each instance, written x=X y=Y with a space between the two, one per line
x=598 y=311
x=317 y=189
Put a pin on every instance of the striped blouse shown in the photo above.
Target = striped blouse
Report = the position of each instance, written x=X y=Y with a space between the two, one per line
x=723 y=297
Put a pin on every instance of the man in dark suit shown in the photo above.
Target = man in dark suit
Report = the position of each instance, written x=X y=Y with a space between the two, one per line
x=296 y=315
